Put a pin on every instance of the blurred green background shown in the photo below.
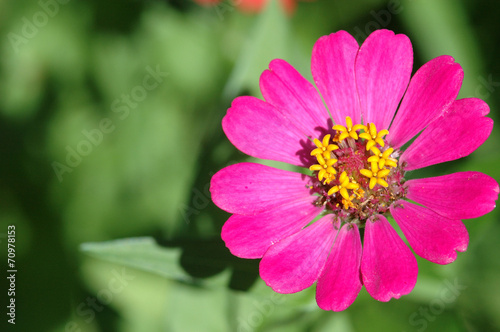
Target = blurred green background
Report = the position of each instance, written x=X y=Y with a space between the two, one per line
x=110 y=130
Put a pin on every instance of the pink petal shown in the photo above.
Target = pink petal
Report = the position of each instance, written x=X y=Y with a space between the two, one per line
x=249 y=236
x=383 y=70
x=332 y=66
x=295 y=262
x=297 y=99
x=455 y=134
x=460 y=195
x=388 y=266
x=431 y=91
x=431 y=235
x=260 y=130
x=339 y=284
x=249 y=188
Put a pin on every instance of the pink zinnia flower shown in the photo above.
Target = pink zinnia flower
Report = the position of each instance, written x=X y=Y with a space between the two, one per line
x=357 y=170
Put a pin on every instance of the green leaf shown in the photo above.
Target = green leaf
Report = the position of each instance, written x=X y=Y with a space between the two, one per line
x=268 y=40
x=146 y=255
x=442 y=27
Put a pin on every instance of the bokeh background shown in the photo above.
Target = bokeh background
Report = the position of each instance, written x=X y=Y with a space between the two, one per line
x=110 y=132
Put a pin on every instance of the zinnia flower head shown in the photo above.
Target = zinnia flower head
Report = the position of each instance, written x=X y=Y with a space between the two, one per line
x=354 y=170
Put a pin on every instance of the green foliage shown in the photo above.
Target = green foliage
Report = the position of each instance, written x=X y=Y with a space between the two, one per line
x=140 y=253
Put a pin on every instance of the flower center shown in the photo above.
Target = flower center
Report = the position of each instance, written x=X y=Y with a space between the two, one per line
x=370 y=178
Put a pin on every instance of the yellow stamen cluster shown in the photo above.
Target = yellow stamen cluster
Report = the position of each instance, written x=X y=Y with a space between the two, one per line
x=380 y=162
x=325 y=169
x=382 y=159
x=377 y=172
x=350 y=131
x=372 y=137
x=342 y=187
x=325 y=161
x=324 y=148
x=376 y=175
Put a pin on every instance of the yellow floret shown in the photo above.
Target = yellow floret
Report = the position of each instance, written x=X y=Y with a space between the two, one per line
x=350 y=131
x=343 y=186
x=372 y=137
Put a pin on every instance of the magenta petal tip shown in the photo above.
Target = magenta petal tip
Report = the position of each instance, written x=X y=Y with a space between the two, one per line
x=388 y=266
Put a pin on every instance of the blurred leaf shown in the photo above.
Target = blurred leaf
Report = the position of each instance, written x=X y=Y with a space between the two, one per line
x=140 y=253
x=339 y=322
x=144 y=254
x=268 y=41
x=194 y=309
x=442 y=27
x=139 y=297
